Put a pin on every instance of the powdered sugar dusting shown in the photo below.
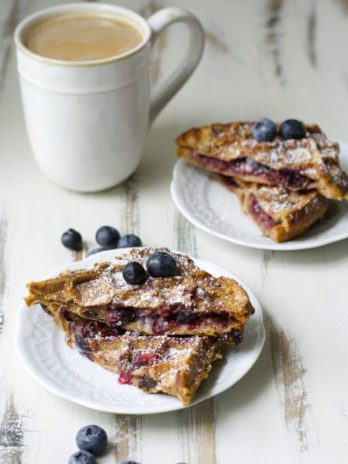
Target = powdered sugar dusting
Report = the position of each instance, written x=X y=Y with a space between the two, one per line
x=313 y=156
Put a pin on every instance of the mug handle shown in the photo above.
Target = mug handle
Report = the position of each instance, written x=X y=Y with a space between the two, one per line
x=160 y=21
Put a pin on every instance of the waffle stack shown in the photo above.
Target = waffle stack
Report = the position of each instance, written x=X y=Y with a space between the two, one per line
x=160 y=336
x=284 y=185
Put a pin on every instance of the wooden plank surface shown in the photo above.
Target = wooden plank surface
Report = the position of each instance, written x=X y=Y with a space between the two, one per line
x=278 y=58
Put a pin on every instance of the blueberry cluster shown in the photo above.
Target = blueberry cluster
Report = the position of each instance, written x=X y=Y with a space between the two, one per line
x=91 y=441
x=159 y=264
x=265 y=130
x=106 y=236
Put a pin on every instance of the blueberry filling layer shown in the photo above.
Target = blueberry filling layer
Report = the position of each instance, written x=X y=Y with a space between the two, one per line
x=261 y=218
x=145 y=382
x=167 y=318
x=244 y=167
x=84 y=334
x=229 y=181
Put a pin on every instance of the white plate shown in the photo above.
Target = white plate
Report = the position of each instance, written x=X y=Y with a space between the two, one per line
x=214 y=209
x=63 y=371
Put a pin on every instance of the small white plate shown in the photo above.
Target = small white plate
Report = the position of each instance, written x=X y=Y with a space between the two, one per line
x=42 y=348
x=214 y=209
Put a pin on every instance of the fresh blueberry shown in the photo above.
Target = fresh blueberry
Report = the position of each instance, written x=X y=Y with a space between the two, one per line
x=107 y=236
x=95 y=251
x=161 y=264
x=128 y=241
x=129 y=462
x=134 y=273
x=292 y=129
x=72 y=239
x=82 y=457
x=92 y=439
x=237 y=336
x=264 y=130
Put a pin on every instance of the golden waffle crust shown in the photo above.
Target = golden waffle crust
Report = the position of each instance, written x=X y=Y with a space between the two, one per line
x=230 y=150
x=172 y=365
x=191 y=303
x=281 y=214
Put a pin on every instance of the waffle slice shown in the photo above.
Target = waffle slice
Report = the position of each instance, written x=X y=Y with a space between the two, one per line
x=172 y=365
x=231 y=150
x=281 y=214
x=191 y=303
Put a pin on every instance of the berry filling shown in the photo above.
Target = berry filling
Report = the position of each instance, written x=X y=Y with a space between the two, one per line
x=124 y=377
x=261 y=218
x=140 y=360
x=84 y=334
x=144 y=359
x=166 y=319
x=229 y=182
x=244 y=167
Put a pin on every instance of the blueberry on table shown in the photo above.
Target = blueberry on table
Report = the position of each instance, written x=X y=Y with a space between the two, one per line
x=95 y=251
x=92 y=439
x=128 y=241
x=292 y=129
x=161 y=264
x=107 y=236
x=264 y=130
x=82 y=457
x=134 y=273
x=72 y=239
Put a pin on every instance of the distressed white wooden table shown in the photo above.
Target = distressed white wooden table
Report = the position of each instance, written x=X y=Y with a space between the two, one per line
x=278 y=58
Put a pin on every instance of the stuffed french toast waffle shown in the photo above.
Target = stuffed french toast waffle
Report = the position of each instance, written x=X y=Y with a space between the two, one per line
x=155 y=364
x=281 y=214
x=296 y=159
x=184 y=301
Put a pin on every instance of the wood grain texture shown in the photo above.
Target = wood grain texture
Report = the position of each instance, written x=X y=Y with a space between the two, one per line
x=127 y=444
x=196 y=425
x=273 y=35
x=130 y=216
x=289 y=374
x=3 y=236
x=312 y=36
x=196 y=428
x=11 y=433
x=8 y=22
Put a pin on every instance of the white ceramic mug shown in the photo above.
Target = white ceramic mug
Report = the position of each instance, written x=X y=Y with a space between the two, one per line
x=87 y=121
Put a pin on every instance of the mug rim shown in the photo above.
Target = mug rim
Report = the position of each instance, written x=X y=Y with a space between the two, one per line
x=46 y=13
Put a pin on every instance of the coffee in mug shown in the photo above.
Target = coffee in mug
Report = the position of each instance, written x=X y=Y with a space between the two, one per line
x=82 y=37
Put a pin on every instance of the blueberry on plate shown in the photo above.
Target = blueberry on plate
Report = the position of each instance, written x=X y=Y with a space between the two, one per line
x=161 y=264
x=72 y=239
x=129 y=241
x=134 y=273
x=129 y=462
x=292 y=129
x=95 y=251
x=264 y=130
x=92 y=438
x=107 y=236
x=82 y=457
